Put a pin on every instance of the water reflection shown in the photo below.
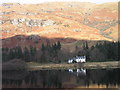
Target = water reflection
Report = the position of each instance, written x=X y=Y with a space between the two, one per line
x=78 y=71
x=62 y=78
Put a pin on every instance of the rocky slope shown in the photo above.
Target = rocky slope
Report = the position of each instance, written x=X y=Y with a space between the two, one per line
x=76 y=20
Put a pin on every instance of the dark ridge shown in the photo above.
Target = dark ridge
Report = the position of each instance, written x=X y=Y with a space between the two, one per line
x=35 y=40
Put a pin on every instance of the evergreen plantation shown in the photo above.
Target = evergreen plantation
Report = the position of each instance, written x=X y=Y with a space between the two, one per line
x=106 y=51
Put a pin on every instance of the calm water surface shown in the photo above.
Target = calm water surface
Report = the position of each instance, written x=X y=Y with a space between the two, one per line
x=77 y=78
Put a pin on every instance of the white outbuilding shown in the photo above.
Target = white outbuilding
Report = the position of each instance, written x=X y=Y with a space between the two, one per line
x=70 y=61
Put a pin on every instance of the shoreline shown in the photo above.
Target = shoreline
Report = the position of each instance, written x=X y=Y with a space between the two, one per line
x=87 y=65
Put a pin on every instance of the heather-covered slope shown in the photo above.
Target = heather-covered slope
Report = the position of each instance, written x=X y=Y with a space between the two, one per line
x=76 y=20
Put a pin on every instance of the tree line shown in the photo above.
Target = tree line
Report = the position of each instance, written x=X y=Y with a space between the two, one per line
x=31 y=53
x=107 y=51
x=52 y=53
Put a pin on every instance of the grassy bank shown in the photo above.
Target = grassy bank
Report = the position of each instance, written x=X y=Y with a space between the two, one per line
x=87 y=65
x=110 y=64
x=37 y=66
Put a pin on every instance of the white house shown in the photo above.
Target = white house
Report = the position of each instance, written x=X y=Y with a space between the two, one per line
x=77 y=59
x=81 y=59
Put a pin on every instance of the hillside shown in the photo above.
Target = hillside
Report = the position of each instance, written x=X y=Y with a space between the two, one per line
x=74 y=20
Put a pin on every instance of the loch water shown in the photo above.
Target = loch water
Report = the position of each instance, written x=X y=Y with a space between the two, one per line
x=70 y=78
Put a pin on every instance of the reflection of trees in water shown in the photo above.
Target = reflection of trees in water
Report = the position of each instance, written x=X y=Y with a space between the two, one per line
x=51 y=78
x=103 y=77
x=45 y=78
x=56 y=78
x=111 y=78
x=100 y=77
x=13 y=77
x=11 y=82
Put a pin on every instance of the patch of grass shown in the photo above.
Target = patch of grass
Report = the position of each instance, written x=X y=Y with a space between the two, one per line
x=38 y=66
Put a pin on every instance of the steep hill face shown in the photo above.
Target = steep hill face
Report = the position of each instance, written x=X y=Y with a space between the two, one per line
x=76 y=20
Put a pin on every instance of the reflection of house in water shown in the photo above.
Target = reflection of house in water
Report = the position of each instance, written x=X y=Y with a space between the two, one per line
x=80 y=78
x=78 y=72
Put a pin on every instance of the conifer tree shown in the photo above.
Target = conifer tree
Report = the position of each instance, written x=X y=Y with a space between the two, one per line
x=43 y=47
x=58 y=45
x=26 y=54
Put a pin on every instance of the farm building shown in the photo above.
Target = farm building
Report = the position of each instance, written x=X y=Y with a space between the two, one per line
x=77 y=59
